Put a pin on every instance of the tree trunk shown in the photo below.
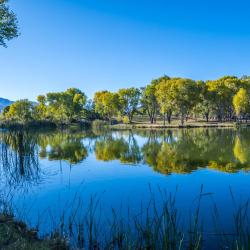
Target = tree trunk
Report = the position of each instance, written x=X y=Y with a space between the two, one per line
x=169 y=114
x=206 y=115
x=151 y=120
x=169 y=119
x=164 y=119
x=182 y=119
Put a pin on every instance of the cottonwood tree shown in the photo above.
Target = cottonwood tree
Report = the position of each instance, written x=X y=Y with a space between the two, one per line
x=205 y=104
x=149 y=102
x=184 y=93
x=129 y=99
x=106 y=104
x=20 y=111
x=241 y=103
x=40 y=110
x=66 y=106
x=223 y=90
x=164 y=98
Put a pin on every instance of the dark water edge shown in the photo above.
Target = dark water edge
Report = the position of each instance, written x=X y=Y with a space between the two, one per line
x=44 y=125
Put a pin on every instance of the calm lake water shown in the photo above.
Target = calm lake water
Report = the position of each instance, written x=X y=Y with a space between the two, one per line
x=43 y=171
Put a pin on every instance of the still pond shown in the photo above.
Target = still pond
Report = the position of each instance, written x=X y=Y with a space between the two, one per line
x=44 y=170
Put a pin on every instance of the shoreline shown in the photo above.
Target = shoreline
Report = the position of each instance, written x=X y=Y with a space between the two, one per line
x=187 y=125
x=15 y=234
x=122 y=126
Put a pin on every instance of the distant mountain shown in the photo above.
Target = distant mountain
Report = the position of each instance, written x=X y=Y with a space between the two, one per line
x=4 y=102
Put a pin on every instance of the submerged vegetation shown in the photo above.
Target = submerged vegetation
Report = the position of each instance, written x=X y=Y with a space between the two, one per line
x=165 y=99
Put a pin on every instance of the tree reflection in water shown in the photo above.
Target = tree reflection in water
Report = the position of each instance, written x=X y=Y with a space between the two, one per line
x=63 y=146
x=19 y=159
x=118 y=147
x=170 y=151
x=179 y=151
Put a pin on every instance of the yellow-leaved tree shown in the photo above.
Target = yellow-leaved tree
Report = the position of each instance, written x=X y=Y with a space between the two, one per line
x=241 y=103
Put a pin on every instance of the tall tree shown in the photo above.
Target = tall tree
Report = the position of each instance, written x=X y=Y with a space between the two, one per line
x=185 y=94
x=20 y=111
x=66 y=106
x=149 y=99
x=241 y=102
x=40 y=110
x=223 y=90
x=164 y=98
x=205 y=105
x=106 y=104
x=129 y=100
x=56 y=109
x=75 y=101
x=8 y=23
x=177 y=95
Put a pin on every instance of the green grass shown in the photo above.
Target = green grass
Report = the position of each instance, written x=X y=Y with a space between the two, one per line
x=143 y=122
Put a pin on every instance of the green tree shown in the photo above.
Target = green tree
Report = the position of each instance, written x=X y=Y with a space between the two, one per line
x=185 y=92
x=164 y=98
x=66 y=106
x=241 y=102
x=149 y=102
x=129 y=99
x=75 y=101
x=56 y=107
x=20 y=111
x=223 y=90
x=8 y=24
x=106 y=104
x=149 y=99
x=5 y=110
x=205 y=105
x=179 y=95
x=40 y=111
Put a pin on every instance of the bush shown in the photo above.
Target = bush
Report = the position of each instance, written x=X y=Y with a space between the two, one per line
x=125 y=120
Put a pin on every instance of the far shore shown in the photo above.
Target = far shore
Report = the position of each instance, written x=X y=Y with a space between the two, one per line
x=176 y=124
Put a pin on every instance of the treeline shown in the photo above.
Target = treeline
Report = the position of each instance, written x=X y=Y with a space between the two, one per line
x=224 y=99
x=59 y=107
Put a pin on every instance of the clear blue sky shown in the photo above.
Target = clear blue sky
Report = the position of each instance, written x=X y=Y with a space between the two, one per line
x=109 y=44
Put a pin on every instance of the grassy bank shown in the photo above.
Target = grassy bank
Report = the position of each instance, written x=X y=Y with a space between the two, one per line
x=102 y=124
x=176 y=124
x=14 y=235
